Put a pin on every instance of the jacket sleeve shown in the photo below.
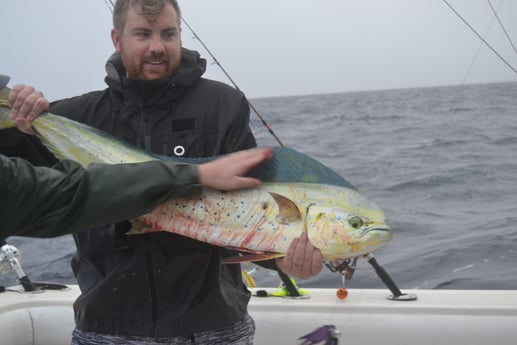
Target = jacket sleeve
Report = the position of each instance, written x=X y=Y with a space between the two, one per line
x=49 y=202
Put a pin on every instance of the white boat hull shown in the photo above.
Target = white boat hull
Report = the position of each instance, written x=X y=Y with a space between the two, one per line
x=473 y=317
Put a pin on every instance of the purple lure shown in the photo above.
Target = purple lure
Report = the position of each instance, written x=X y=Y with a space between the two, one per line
x=327 y=333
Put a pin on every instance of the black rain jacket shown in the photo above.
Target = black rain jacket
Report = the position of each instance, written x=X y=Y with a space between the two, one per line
x=159 y=284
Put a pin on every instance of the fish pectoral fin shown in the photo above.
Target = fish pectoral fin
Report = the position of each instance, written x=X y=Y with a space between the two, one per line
x=252 y=257
x=287 y=209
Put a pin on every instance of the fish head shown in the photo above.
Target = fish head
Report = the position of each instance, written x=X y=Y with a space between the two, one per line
x=349 y=229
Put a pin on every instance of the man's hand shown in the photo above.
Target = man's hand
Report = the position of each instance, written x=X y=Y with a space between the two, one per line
x=26 y=104
x=227 y=173
x=302 y=260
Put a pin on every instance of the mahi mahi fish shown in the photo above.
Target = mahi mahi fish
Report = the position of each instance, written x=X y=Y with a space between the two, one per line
x=298 y=194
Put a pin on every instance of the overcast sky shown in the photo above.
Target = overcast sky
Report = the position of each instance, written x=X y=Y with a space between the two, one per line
x=274 y=47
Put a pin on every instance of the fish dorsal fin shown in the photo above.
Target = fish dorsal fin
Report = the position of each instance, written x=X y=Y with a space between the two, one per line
x=288 y=165
x=287 y=210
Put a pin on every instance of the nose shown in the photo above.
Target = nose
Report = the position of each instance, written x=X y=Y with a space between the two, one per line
x=156 y=45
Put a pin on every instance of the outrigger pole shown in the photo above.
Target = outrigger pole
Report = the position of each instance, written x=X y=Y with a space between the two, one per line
x=481 y=37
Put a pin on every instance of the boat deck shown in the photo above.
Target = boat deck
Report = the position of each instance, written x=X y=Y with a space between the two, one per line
x=473 y=317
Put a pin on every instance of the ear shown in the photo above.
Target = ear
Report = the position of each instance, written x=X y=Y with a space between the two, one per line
x=115 y=38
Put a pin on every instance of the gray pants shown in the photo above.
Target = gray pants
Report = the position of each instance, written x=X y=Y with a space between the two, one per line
x=240 y=333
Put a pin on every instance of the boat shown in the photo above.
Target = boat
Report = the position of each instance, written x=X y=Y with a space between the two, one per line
x=41 y=313
x=365 y=316
x=44 y=315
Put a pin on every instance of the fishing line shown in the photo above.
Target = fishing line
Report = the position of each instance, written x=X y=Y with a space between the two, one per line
x=501 y=24
x=481 y=38
x=266 y=125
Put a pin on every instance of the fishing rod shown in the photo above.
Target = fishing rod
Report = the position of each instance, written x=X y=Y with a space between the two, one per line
x=480 y=37
x=474 y=59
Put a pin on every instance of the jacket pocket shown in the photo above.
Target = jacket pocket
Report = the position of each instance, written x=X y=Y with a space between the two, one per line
x=182 y=144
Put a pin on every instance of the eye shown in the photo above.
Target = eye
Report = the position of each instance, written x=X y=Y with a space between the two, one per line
x=169 y=35
x=141 y=34
x=355 y=222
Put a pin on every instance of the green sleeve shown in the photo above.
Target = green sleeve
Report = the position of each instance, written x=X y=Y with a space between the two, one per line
x=48 y=202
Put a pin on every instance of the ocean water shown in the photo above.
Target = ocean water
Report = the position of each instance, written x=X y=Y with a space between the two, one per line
x=441 y=162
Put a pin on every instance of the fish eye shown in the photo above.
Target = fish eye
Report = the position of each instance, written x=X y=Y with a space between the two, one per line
x=355 y=222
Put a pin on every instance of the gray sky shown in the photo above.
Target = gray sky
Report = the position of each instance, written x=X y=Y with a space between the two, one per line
x=274 y=47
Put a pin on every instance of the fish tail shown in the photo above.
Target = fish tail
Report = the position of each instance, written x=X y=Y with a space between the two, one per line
x=5 y=121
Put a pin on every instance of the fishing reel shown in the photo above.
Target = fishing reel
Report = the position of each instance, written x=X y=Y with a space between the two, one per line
x=346 y=268
x=10 y=260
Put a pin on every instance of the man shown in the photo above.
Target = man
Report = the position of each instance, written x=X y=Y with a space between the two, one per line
x=169 y=289
x=49 y=202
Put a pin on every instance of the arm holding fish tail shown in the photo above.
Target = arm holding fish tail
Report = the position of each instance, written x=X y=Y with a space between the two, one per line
x=26 y=104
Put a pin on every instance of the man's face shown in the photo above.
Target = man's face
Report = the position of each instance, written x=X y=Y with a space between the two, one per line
x=149 y=50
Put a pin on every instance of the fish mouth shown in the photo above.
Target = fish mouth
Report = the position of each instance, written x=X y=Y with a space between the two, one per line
x=377 y=234
x=378 y=228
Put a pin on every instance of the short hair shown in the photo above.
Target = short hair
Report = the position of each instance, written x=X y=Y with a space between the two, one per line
x=149 y=8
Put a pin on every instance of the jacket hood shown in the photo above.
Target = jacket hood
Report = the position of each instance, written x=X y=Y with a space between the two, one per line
x=191 y=68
